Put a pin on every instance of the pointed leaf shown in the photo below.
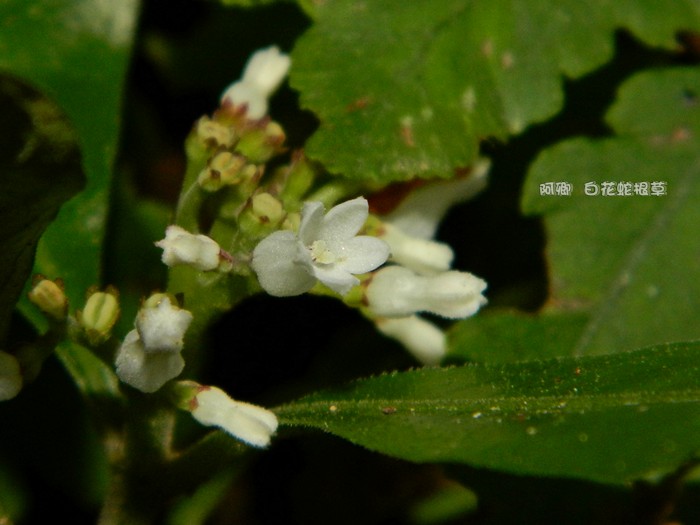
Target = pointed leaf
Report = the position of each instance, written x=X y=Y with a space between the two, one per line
x=612 y=418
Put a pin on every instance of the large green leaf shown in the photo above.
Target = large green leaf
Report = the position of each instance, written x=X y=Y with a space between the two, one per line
x=410 y=88
x=611 y=418
x=629 y=262
x=76 y=52
x=39 y=171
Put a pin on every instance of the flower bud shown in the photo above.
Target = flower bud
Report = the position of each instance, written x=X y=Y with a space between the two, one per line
x=266 y=208
x=420 y=255
x=182 y=247
x=259 y=144
x=214 y=134
x=10 y=376
x=396 y=291
x=223 y=169
x=49 y=297
x=211 y=406
x=99 y=316
x=425 y=341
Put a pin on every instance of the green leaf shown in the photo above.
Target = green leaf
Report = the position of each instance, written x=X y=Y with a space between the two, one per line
x=612 y=418
x=504 y=337
x=629 y=262
x=76 y=52
x=40 y=167
x=410 y=88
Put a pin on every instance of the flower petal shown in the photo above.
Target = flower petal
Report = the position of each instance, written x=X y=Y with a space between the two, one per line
x=146 y=372
x=361 y=254
x=283 y=265
x=311 y=220
x=344 y=220
x=336 y=278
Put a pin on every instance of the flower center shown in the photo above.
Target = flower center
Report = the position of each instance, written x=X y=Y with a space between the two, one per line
x=321 y=254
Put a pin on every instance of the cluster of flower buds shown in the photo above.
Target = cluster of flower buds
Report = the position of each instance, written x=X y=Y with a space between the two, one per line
x=211 y=406
x=150 y=356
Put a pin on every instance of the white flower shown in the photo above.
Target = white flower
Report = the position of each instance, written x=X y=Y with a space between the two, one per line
x=396 y=291
x=421 y=212
x=150 y=356
x=420 y=255
x=162 y=327
x=145 y=370
x=325 y=249
x=425 y=341
x=250 y=423
x=263 y=74
x=10 y=376
x=183 y=247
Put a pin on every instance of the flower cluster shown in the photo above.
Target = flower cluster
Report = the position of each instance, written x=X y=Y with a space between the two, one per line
x=150 y=356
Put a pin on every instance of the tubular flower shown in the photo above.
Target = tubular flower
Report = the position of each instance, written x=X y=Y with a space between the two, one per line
x=423 y=256
x=263 y=74
x=325 y=249
x=182 y=247
x=425 y=341
x=249 y=423
x=396 y=291
x=150 y=356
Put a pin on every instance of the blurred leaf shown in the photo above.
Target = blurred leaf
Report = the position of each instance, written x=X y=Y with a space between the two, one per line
x=76 y=52
x=13 y=496
x=40 y=167
x=408 y=89
x=612 y=418
x=629 y=262
x=451 y=502
x=503 y=337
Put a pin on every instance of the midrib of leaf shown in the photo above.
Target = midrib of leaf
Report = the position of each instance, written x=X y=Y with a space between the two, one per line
x=610 y=301
x=496 y=407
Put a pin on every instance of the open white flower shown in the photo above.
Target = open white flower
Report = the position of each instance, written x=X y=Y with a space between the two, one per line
x=146 y=370
x=396 y=291
x=183 y=247
x=425 y=341
x=249 y=423
x=263 y=74
x=325 y=249
x=10 y=376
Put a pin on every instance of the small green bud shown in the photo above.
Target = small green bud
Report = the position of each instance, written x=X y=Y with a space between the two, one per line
x=214 y=134
x=259 y=144
x=99 y=315
x=266 y=208
x=224 y=168
x=49 y=297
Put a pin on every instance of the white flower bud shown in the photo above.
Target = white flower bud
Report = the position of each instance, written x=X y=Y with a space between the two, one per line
x=182 y=247
x=162 y=327
x=263 y=74
x=146 y=371
x=249 y=423
x=398 y=292
x=425 y=341
x=420 y=255
x=10 y=376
